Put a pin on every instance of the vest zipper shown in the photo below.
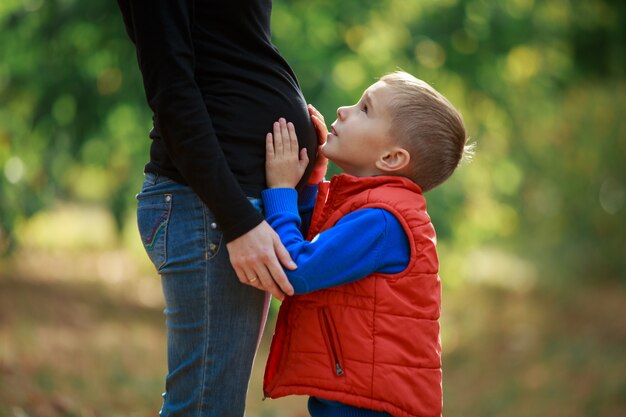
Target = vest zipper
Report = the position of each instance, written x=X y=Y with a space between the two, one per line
x=332 y=341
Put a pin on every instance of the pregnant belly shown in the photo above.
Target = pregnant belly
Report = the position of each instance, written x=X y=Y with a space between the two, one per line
x=241 y=122
x=299 y=116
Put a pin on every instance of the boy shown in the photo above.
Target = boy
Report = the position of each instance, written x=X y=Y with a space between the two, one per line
x=361 y=335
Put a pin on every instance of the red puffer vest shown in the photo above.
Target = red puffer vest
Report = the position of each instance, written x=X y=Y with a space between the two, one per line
x=373 y=343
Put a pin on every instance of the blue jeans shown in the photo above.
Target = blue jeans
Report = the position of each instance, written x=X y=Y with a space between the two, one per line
x=214 y=322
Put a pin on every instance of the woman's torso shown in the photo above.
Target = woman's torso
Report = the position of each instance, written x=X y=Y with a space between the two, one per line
x=246 y=85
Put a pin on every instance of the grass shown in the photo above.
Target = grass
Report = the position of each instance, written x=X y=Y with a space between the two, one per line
x=74 y=342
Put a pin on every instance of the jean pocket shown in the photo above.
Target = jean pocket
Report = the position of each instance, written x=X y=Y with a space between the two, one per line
x=153 y=215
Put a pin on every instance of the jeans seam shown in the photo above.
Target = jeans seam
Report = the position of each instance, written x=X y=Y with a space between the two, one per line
x=206 y=311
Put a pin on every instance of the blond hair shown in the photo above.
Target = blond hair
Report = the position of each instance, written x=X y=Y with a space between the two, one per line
x=429 y=127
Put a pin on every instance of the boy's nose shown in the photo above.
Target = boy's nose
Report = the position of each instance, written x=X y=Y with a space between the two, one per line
x=341 y=112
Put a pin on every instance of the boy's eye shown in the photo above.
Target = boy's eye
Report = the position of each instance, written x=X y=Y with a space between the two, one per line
x=364 y=108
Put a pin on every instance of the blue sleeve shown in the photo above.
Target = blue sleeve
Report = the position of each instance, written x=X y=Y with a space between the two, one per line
x=363 y=242
x=306 y=203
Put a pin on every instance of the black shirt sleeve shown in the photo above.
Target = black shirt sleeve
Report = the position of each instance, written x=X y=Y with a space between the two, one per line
x=162 y=33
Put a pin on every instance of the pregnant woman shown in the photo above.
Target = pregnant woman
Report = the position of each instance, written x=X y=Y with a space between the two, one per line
x=215 y=83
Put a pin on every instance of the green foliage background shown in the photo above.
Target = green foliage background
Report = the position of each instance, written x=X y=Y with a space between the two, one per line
x=531 y=233
x=541 y=85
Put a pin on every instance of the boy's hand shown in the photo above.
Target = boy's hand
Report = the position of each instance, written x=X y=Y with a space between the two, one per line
x=321 y=162
x=284 y=164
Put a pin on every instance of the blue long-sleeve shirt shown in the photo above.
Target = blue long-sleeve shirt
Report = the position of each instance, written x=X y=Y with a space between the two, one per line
x=362 y=242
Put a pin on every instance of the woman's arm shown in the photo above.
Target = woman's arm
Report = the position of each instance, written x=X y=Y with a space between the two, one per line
x=162 y=33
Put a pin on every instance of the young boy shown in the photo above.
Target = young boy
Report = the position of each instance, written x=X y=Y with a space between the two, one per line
x=361 y=335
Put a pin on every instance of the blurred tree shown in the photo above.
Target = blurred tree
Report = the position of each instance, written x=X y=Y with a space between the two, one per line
x=73 y=121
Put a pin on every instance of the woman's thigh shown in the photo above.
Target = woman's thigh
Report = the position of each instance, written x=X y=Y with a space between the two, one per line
x=213 y=321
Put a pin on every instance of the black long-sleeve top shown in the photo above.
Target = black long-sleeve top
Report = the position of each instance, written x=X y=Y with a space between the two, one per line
x=215 y=83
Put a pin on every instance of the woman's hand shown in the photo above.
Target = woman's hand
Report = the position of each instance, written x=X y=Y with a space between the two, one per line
x=321 y=162
x=284 y=164
x=257 y=257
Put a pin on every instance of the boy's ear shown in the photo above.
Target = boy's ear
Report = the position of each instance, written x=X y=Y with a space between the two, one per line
x=393 y=160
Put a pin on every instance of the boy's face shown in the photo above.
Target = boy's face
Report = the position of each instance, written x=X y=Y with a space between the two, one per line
x=360 y=135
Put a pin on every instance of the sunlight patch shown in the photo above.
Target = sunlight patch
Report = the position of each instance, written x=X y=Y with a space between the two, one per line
x=498 y=268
